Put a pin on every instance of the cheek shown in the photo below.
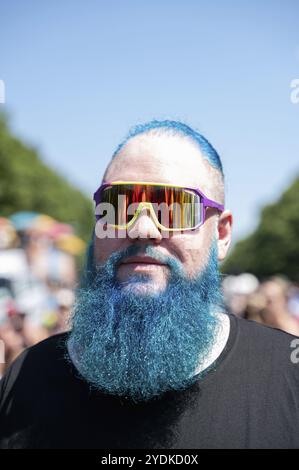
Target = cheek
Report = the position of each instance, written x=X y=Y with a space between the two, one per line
x=192 y=249
x=103 y=248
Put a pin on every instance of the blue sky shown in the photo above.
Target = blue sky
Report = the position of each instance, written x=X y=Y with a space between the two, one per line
x=78 y=74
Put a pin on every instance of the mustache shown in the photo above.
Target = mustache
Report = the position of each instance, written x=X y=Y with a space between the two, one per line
x=118 y=257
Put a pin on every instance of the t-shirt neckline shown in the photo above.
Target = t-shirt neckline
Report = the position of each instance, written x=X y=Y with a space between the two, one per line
x=209 y=372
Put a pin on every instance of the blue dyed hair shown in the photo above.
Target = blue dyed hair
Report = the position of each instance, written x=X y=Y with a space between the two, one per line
x=176 y=128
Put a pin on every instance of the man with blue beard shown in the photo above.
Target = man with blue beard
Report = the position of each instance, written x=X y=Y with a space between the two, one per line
x=152 y=358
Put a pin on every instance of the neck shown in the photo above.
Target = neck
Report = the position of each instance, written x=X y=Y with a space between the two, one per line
x=219 y=343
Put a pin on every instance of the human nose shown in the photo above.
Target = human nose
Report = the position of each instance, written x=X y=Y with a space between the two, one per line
x=144 y=227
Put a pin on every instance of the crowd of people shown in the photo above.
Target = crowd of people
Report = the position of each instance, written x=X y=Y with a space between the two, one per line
x=273 y=301
x=38 y=276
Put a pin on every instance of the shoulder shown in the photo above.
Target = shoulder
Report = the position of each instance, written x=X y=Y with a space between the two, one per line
x=34 y=363
x=261 y=343
x=259 y=331
x=49 y=349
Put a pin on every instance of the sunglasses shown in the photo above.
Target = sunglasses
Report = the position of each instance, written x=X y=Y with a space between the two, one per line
x=173 y=208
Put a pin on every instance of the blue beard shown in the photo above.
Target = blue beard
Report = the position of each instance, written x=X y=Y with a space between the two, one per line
x=141 y=346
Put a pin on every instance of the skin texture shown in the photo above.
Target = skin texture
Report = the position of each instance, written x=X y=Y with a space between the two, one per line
x=172 y=160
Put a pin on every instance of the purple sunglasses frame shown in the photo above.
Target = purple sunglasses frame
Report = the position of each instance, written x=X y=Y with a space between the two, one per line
x=206 y=202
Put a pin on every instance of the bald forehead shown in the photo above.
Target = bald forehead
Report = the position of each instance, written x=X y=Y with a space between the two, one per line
x=162 y=159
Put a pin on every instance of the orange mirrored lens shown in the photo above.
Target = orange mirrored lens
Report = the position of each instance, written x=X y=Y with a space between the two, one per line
x=174 y=208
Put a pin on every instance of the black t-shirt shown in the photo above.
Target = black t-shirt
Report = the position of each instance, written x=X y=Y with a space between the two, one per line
x=248 y=398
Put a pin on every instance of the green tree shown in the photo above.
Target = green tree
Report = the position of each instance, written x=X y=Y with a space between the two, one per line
x=274 y=246
x=28 y=184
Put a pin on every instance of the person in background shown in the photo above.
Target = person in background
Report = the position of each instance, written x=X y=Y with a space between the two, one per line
x=275 y=312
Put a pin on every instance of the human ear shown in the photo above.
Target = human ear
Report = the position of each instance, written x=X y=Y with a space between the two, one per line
x=224 y=233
